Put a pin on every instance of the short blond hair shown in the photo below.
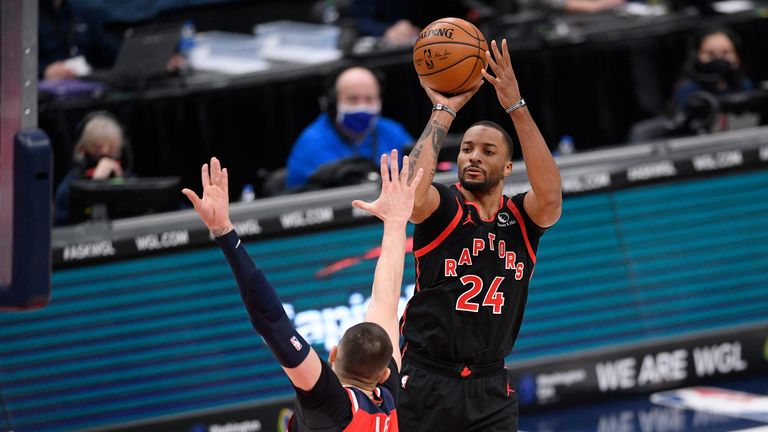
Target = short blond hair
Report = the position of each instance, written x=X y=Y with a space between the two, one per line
x=100 y=127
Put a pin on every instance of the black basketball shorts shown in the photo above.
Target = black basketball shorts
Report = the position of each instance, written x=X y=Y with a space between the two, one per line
x=460 y=398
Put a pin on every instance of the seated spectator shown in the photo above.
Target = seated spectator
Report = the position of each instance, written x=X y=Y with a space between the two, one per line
x=347 y=139
x=66 y=34
x=713 y=69
x=100 y=153
x=397 y=22
x=570 y=6
x=585 y=6
x=716 y=67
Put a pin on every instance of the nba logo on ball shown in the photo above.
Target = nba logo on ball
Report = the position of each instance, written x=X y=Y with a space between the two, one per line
x=449 y=55
x=428 y=59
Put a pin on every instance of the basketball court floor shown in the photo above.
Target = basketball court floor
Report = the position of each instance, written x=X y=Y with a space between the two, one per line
x=736 y=405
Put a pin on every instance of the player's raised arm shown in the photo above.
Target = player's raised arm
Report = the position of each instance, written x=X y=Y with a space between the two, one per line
x=427 y=148
x=299 y=361
x=393 y=207
x=544 y=202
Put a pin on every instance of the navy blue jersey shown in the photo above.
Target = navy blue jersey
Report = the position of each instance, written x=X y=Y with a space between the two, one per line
x=472 y=279
x=332 y=407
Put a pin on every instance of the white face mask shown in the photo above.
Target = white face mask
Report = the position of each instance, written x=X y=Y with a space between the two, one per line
x=357 y=119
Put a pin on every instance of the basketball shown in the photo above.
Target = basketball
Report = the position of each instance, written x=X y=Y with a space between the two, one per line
x=449 y=55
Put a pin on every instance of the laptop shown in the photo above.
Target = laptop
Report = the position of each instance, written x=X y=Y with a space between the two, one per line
x=143 y=56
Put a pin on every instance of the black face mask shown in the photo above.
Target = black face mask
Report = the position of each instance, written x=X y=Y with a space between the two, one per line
x=91 y=161
x=712 y=72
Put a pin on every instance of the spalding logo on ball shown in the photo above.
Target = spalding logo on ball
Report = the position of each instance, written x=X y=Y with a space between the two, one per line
x=449 y=55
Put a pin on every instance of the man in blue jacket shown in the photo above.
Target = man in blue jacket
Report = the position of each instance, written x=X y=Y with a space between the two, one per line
x=350 y=128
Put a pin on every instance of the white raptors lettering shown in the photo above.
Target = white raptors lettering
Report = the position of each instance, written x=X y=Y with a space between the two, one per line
x=474 y=284
x=478 y=245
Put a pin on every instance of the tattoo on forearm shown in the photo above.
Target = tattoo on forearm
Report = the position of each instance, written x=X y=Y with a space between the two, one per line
x=412 y=159
x=416 y=151
x=440 y=131
x=427 y=130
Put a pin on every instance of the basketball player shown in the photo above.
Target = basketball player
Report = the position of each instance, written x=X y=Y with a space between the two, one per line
x=358 y=390
x=475 y=251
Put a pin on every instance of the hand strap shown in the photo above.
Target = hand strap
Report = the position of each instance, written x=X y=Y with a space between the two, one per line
x=521 y=103
x=441 y=107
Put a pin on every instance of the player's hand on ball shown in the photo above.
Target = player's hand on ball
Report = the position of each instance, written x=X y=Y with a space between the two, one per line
x=454 y=102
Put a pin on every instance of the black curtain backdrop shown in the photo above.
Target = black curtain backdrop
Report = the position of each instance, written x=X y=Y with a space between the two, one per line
x=594 y=91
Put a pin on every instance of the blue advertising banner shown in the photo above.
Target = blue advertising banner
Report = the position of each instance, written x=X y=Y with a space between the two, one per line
x=165 y=338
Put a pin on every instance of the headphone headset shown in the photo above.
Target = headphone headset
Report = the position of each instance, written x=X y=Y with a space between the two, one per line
x=126 y=155
x=329 y=100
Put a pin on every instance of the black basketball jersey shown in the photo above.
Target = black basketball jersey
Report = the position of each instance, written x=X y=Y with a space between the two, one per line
x=471 y=280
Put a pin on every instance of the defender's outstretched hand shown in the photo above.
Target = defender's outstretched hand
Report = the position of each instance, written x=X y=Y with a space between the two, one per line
x=505 y=82
x=213 y=207
x=395 y=203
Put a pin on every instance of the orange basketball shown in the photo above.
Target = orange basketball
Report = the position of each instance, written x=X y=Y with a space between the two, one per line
x=449 y=55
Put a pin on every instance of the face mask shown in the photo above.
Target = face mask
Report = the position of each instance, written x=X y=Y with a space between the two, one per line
x=91 y=161
x=714 y=71
x=357 y=119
